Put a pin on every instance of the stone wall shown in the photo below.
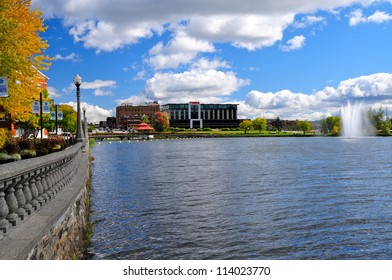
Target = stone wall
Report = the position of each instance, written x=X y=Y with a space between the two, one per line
x=65 y=240
x=54 y=229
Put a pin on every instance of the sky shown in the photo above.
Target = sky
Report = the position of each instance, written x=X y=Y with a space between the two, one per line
x=292 y=59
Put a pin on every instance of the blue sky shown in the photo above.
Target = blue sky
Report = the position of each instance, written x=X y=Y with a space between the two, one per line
x=295 y=59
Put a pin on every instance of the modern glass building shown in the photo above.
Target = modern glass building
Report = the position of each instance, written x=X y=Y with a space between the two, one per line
x=197 y=115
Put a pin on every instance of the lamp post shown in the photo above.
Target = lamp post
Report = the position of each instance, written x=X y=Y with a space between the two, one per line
x=85 y=123
x=40 y=114
x=78 y=82
x=57 y=127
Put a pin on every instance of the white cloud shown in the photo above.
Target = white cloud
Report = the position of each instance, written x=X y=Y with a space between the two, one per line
x=309 y=20
x=53 y=93
x=379 y=17
x=205 y=64
x=94 y=113
x=357 y=17
x=102 y=92
x=182 y=49
x=198 y=84
x=97 y=84
x=294 y=43
x=109 y=25
x=73 y=57
x=376 y=86
x=100 y=87
x=370 y=90
x=249 y=31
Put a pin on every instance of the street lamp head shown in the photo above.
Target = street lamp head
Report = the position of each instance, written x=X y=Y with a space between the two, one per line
x=78 y=80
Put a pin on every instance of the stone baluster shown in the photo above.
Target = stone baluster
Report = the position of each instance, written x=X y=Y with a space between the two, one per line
x=49 y=180
x=46 y=194
x=40 y=189
x=61 y=173
x=21 y=199
x=45 y=187
x=34 y=192
x=56 y=176
x=64 y=172
x=50 y=192
x=4 y=224
x=67 y=172
x=12 y=203
x=27 y=193
x=53 y=179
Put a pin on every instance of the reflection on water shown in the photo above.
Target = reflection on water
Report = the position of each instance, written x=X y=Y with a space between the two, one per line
x=262 y=198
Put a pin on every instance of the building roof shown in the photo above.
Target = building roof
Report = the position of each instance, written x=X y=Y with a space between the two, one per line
x=143 y=127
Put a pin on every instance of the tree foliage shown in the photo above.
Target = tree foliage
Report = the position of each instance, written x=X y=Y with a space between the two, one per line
x=21 y=55
x=331 y=125
x=145 y=119
x=161 y=121
x=305 y=126
x=376 y=117
x=246 y=125
x=69 y=121
x=381 y=124
x=260 y=124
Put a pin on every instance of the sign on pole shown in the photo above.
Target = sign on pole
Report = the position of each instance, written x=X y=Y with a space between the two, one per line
x=59 y=115
x=36 y=108
x=52 y=115
x=46 y=107
x=3 y=87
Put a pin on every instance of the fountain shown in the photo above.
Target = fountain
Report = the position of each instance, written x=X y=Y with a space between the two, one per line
x=354 y=121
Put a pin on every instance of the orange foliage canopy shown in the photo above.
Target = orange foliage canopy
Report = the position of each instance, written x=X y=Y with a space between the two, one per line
x=21 y=55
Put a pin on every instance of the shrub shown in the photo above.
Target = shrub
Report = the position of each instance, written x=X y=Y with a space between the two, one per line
x=16 y=157
x=4 y=158
x=28 y=153
x=42 y=151
x=26 y=144
x=22 y=148
x=49 y=145
x=11 y=146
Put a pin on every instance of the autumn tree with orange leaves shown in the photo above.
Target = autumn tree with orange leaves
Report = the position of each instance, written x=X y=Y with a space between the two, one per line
x=161 y=121
x=21 y=55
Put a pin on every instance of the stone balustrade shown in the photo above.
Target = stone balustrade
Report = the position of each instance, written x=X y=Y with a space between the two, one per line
x=28 y=185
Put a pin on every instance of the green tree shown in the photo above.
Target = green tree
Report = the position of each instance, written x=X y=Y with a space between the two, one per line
x=69 y=118
x=145 y=119
x=246 y=125
x=260 y=124
x=386 y=128
x=305 y=126
x=161 y=121
x=376 y=118
x=331 y=125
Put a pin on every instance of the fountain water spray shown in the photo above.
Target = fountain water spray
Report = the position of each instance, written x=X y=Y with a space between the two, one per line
x=354 y=120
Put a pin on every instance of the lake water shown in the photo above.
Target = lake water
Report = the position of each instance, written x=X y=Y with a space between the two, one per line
x=243 y=198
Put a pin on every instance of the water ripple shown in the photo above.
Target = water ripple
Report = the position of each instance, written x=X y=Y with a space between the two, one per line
x=264 y=198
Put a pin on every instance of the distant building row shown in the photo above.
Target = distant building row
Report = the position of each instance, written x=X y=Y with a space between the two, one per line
x=182 y=115
x=187 y=115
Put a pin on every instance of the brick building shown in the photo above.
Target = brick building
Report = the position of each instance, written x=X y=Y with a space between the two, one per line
x=129 y=116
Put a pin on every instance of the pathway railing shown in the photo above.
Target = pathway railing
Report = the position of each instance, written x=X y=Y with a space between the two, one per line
x=28 y=185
